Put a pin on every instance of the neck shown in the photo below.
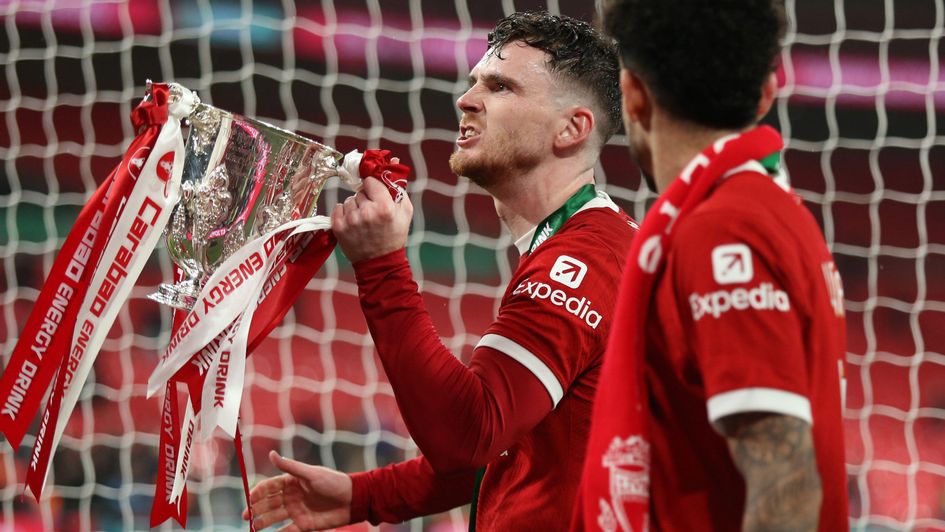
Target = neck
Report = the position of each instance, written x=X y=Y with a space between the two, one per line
x=524 y=202
x=674 y=144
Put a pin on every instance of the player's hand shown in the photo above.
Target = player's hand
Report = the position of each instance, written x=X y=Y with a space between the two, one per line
x=370 y=224
x=310 y=497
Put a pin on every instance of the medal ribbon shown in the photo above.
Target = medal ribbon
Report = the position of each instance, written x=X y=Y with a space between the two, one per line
x=555 y=220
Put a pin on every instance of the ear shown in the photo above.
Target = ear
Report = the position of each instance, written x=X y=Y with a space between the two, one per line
x=637 y=103
x=578 y=127
x=769 y=91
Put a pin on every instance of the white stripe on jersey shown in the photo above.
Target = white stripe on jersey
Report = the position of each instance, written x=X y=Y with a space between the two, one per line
x=527 y=359
x=758 y=400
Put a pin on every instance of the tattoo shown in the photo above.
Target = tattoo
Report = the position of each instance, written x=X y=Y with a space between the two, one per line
x=775 y=454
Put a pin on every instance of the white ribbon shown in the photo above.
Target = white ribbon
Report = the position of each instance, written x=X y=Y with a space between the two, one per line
x=350 y=169
x=184 y=453
x=222 y=304
x=149 y=193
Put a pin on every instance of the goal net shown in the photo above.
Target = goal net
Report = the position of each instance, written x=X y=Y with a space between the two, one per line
x=862 y=89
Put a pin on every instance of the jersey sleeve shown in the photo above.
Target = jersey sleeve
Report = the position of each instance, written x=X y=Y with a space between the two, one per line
x=738 y=303
x=405 y=490
x=556 y=313
x=460 y=417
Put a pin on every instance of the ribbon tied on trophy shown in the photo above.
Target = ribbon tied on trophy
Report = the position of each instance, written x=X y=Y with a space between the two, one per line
x=237 y=207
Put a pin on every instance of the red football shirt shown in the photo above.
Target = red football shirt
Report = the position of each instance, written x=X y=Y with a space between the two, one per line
x=554 y=319
x=747 y=317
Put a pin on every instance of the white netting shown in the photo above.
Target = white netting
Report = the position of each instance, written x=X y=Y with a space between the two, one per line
x=865 y=87
x=862 y=84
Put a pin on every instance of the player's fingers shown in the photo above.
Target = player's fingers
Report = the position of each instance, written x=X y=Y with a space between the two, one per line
x=267 y=487
x=351 y=204
x=270 y=518
x=360 y=198
x=273 y=502
x=338 y=218
x=406 y=203
x=291 y=467
x=292 y=527
x=375 y=190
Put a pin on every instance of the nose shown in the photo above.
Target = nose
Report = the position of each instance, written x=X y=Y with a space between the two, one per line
x=469 y=102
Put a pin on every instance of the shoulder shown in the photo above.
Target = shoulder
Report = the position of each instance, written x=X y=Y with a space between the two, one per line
x=747 y=206
x=595 y=241
x=603 y=229
x=747 y=219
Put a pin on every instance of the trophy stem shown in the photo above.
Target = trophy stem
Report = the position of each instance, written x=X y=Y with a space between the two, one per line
x=183 y=295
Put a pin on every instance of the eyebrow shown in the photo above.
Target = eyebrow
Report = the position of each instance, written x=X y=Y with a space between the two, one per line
x=493 y=77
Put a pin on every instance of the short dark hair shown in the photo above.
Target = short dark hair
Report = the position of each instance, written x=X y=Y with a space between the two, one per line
x=705 y=61
x=576 y=51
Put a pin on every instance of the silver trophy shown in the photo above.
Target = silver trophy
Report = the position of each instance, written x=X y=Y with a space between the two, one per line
x=242 y=178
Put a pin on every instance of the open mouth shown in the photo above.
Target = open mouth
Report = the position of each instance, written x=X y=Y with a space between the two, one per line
x=467 y=135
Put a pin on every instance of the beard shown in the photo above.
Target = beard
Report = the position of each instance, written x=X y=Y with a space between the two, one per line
x=496 y=162
x=641 y=155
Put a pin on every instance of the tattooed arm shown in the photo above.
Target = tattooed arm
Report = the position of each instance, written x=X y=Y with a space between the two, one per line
x=775 y=455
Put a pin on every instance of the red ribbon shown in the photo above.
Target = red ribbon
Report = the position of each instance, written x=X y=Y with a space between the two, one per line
x=378 y=163
x=301 y=265
x=46 y=339
x=161 y=509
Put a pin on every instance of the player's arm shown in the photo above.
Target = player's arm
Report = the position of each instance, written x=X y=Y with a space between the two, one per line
x=753 y=365
x=313 y=497
x=775 y=455
x=402 y=491
x=459 y=417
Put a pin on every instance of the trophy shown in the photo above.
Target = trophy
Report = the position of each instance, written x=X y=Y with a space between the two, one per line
x=242 y=231
x=241 y=179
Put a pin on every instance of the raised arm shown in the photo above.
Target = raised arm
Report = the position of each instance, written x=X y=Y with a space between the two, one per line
x=460 y=417
x=775 y=455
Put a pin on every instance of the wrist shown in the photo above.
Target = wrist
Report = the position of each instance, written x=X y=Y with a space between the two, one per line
x=360 y=496
x=370 y=269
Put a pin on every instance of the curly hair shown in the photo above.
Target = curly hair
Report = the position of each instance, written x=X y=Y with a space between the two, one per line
x=705 y=61
x=577 y=52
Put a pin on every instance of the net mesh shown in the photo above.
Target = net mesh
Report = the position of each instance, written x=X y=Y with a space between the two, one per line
x=862 y=86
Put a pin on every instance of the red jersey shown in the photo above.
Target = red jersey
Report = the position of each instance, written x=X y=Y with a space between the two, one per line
x=554 y=320
x=747 y=316
x=522 y=408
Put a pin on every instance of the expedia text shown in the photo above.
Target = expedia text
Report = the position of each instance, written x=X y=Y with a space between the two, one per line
x=763 y=297
x=580 y=307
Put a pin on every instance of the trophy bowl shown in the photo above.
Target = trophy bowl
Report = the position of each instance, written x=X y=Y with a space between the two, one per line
x=241 y=179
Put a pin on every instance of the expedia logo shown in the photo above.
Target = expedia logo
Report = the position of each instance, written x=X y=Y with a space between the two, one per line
x=568 y=271
x=763 y=297
x=580 y=307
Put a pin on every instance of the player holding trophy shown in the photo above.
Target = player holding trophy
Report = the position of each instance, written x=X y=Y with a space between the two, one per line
x=541 y=104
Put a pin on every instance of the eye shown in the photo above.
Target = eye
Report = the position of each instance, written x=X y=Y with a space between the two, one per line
x=498 y=86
